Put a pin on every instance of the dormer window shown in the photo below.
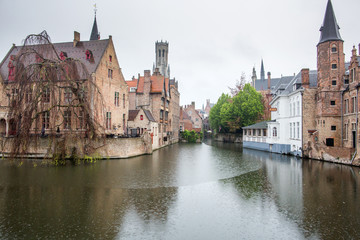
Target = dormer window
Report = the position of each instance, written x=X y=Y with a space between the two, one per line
x=63 y=55
x=88 y=54
x=11 y=69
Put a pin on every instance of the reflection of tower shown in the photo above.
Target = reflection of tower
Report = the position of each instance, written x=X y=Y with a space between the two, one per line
x=161 y=52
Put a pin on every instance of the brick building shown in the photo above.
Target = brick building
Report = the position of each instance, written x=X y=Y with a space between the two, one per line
x=185 y=121
x=104 y=72
x=195 y=117
x=158 y=94
x=331 y=131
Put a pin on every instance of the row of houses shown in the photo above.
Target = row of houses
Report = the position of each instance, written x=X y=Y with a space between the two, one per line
x=195 y=119
x=315 y=112
x=148 y=104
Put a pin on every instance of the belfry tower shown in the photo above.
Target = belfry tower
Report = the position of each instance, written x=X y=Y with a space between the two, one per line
x=331 y=70
x=161 y=52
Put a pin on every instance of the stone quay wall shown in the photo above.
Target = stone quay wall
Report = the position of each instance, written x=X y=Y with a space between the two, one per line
x=228 y=137
x=105 y=148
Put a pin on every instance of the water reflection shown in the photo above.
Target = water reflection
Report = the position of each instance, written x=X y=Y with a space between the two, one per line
x=186 y=191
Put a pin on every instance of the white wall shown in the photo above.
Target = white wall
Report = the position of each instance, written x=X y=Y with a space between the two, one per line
x=288 y=112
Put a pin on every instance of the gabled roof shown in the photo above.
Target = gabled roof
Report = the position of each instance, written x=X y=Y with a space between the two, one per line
x=184 y=115
x=132 y=83
x=330 y=28
x=133 y=114
x=149 y=115
x=263 y=84
x=158 y=84
x=97 y=48
x=286 y=86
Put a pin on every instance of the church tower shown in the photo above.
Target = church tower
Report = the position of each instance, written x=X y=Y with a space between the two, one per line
x=253 y=77
x=161 y=52
x=95 y=35
x=331 y=69
x=262 y=71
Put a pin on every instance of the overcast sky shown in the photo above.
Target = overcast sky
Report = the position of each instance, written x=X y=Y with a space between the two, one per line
x=211 y=42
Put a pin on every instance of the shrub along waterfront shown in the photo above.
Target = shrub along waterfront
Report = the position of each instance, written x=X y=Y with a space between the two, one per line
x=191 y=136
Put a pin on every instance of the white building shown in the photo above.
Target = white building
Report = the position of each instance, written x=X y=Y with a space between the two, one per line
x=284 y=131
x=286 y=127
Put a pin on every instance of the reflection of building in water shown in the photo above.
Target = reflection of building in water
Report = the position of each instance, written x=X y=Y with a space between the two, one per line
x=284 y=175
x=331 y=196
x=153 y=204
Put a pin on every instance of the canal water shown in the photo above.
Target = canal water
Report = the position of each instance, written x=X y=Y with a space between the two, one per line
x=185 y=191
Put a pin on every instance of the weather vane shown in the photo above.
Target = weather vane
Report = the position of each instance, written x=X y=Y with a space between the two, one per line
x=95 y=9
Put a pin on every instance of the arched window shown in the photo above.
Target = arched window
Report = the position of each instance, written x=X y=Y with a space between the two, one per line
x=274 y=132
x=333 y=48
x=163 y=52
x=159 y=53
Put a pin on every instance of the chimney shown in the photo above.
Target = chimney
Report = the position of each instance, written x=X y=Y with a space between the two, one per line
x=147 y=73
x=269 y=80
x=157 y=72
x=305 y=78
x=76 y=38
x=193 y=104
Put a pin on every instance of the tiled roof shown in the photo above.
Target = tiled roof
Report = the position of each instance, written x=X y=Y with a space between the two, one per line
x=330 y=29
x=132 y=83
x=149 y=115
x=158 y=84
x=286 y=86
x=184 y=115
x=133 y=114
x=263 y=84
x=140 y=87
x=97 y=47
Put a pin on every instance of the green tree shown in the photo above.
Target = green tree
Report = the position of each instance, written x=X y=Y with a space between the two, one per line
x=230 y=114
x=248 y=106
x=214 y=116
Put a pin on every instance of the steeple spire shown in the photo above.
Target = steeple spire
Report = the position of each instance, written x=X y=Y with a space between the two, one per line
x=262 y=72
x=330 y=29
x=95 y=35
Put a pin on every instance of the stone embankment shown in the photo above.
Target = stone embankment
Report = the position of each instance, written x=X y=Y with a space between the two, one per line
x=228 y=137
x=105 y=148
